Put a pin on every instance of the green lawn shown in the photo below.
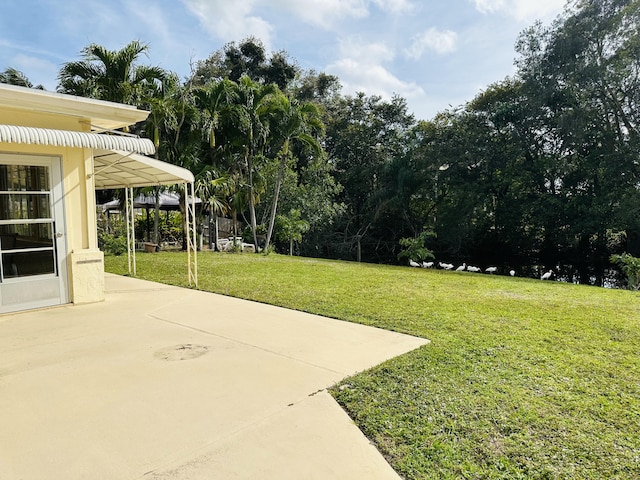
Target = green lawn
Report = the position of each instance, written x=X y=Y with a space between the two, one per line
x=522 y=378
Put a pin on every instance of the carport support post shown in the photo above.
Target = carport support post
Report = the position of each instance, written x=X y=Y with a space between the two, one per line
x=131 y=232
x=126 y=216
x=190 y=211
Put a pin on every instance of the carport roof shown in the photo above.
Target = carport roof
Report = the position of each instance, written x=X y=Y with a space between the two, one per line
x=116 y=163
x=117 y=169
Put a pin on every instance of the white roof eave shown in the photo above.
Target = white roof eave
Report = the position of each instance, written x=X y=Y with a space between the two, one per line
x=97 y=113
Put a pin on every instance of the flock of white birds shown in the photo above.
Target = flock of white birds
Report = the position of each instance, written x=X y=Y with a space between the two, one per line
x=469 y=268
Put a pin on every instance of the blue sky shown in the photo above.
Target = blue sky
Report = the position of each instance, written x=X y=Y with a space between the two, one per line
x=437 y=54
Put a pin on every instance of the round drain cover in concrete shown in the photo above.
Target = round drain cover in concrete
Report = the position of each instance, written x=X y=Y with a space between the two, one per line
x=186 y=351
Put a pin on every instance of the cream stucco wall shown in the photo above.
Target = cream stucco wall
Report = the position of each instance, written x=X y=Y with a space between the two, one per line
x=35 y=108
x=14 y=116
x=85 y=263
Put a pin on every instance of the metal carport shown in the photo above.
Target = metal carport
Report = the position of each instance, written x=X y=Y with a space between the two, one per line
x=120 y=169
x=117 y=165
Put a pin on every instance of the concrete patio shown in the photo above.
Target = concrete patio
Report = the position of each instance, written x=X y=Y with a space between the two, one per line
x=160 y=382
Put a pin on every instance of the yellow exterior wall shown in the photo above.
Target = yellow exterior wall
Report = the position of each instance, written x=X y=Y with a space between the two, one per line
x=85 y=262
x=9 y=116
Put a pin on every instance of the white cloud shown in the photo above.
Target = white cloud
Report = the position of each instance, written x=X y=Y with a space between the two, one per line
x=489 y=6
x=526 y=10
x=396 y=7
x=323 y=13
x=522 y=10
x=231 y=21
x=437 y=41
x=361 y=69
x=367 y=52
x=240 y=19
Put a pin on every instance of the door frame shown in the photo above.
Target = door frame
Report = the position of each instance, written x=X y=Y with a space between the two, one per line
x=60 y=250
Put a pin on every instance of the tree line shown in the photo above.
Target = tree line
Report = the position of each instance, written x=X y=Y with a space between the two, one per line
x=539 y=171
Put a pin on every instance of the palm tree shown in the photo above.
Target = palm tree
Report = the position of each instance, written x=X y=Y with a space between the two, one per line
x=11 y=76
x=256 y=106
x=216 y=100
x=161 y=120
x=111 y=75
x=294 y=122
x=179 y=139
x=217 y=191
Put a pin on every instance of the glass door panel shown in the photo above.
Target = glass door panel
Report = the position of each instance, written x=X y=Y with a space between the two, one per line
x=24 y=178
x=15 y=206
x=26 y=226
x=31 y=268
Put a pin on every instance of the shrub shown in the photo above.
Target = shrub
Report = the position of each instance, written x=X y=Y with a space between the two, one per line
x=112 y=245
x=415 y=249
x=630 y=267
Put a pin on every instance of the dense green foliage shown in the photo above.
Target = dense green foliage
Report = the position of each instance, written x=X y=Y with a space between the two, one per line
x=522 y=378
x=12 y=76
x=539 y=171
x=413 y=248
x=630 y=267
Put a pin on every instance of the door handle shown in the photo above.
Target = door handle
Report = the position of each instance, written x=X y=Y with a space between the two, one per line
x=59 y=235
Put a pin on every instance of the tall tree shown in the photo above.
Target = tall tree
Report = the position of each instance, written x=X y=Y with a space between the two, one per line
x=116 y=76
x=292 y=122
x=216 y=100
x=584 y=70
x=291 y=227
x=160 y=101
x=248 y=58
x=174 y=124
x=364 y=136
x=253 y=130
x=112 y=75
x=318 y=87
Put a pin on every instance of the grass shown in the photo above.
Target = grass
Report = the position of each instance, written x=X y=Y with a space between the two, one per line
x=522 y=378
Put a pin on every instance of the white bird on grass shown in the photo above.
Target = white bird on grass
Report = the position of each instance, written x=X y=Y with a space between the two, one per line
x=491 y=269
x=512 y=273
x=413 y=264
x=446 y=266
x=461 y=267
x=474 y=269
x=427 y=264
x=547 y=275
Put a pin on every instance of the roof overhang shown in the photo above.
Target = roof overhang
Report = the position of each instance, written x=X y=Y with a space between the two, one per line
x=68 y=138
x=96 y=114
x=121 y=169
